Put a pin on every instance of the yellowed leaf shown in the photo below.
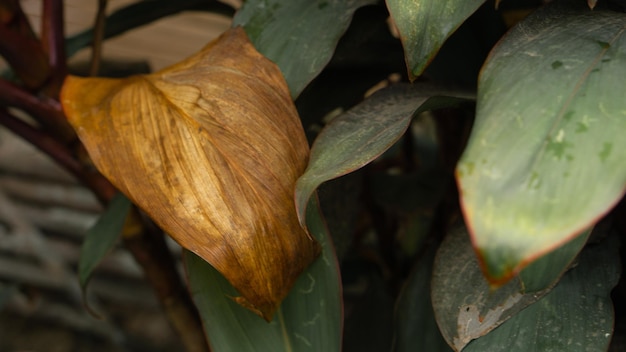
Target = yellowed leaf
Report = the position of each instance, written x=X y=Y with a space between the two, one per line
x=211 y=149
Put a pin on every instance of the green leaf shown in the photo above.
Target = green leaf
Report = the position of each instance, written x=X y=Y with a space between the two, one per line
x=416 y=327
x=467 y=307
x=545 y=271
x=424 y=26
x=310 y=318
x=577 y=315
x=546 y=156
x=101 y=237
x=363 y=133
x=300 y=36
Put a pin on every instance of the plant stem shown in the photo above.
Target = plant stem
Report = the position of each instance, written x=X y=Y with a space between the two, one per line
x=145 y=242
x=137 y=14
x=151 y=252
x=96 y=50
x=53 y=41
x=18 y=38
x=46 y=111
x=59 y=153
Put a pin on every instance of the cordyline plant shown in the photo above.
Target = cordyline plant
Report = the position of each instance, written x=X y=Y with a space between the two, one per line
x=519 y=254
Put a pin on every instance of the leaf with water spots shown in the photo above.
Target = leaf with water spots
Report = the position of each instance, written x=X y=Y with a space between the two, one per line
x=576 y=316
x=546 y=156
x=309 y=319
x=467 y=307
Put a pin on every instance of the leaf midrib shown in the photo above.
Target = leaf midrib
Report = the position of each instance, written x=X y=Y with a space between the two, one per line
x=283 y=331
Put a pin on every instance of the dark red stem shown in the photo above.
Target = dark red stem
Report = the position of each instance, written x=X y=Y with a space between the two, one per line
x=59 y=153
x=45 y=110
x=31 y=68
x=53 y=38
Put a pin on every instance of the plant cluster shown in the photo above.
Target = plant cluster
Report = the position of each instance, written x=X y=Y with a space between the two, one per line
x=369 y=175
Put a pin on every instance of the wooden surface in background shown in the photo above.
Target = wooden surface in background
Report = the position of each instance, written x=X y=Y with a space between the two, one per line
x=162 y=43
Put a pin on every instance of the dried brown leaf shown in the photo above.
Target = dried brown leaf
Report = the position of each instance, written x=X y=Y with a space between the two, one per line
x=210 y=148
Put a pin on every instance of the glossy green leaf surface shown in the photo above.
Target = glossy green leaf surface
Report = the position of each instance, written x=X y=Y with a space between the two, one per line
x=309 y=319
x=101 y=237
x=467 y=307
x=364 y=132
x=576 y=316
x=300 y=36
x=424 y=26
x=546 y=155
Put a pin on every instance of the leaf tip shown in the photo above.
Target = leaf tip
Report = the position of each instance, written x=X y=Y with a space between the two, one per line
x=266 y=312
